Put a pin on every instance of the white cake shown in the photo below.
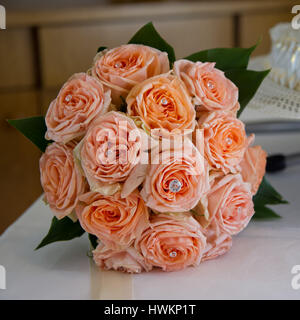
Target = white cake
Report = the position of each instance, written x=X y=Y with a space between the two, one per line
x=285 y=56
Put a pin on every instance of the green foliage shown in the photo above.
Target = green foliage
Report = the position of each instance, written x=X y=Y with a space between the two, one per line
x=266 y=195
x=32 y=128
x=101 y=49
x=248 y=81
x=93 y=240
x=148 y=36
x=225 y=58
x=62 y=230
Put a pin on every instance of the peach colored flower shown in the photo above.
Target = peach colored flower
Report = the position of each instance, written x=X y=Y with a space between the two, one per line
x=253 y=166
x=79 y=102
x=60 y=179
x=163 y=105
x=126 y=260
x=230 y=203
x=217 y=241
x=210 y=89
x=176 y=178
x=110 y=150
x=172 y=242
x=114 y=220
x=225 y=140
x=123 y=67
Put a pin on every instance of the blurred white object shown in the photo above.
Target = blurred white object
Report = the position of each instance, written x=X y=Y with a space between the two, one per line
x=274 y=99
x=279 y=94
x=285 y=55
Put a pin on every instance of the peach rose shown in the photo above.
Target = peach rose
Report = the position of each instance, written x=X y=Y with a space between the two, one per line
x=163 y=105
x=210 y=89
x=217 y=242
x=176 y=178
x=253 y=166
x=110 y=150
x=172 y=242
x=114 y=220
x=126 y=260
x=123 y=67
x=60 y=179
x=79 y=102
x=225 y=140
x=230 y=203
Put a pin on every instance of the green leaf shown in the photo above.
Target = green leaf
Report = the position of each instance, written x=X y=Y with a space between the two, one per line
x=62 y=230
x=93 y=240
x=34 y=129
x=148 y=36
x=123 y=106
x=101 y=49
x=248 y=81
x=265 y=213
x=266 y=194
x=225 y=58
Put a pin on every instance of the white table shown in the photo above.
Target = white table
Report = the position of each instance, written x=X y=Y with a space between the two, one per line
x=258 y=266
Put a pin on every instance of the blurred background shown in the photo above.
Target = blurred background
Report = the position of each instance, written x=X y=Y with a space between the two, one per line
x=47 y=41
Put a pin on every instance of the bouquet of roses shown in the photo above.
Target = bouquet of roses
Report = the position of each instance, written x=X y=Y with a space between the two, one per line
x=147 y=155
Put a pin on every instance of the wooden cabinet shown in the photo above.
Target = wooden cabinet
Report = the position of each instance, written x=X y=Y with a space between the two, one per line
x=69 y=49
x=256 y=26
x=17 y=58
x=20 y=182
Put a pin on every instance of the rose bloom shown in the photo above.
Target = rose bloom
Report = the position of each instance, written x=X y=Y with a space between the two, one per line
x=172 y=242
x=123 y=67
x=79 y=102
x=253 y=166
x=230 y=203
x=110 y=150
x=176 y=178
x=225 y=140
x=126 y=260
x=61 y=180
x=210 y=89
x=114 y=220
x=163 y=105
x=217 y=241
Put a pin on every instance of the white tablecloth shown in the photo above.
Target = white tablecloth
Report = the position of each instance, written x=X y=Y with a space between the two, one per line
x=258 y=266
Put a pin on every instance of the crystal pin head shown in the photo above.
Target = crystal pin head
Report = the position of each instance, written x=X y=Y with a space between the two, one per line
x=118 y=65
x=210 y=85
x=173 y=254
x=229 y=141
x=175 y=186
x=164 y=101
x=68 y=98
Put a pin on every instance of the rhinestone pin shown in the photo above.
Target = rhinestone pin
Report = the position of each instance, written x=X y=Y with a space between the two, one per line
x=68 y=97
x=164 y=101
x=228 y=141
x=173 y=254
x=210 y=85
x=175 y=186
x=118 y=65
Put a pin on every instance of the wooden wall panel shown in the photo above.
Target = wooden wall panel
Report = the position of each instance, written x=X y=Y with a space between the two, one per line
x=17 y=63
x=45 y=98
x=19 y=175
x=66 y=50
x=253 y=26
